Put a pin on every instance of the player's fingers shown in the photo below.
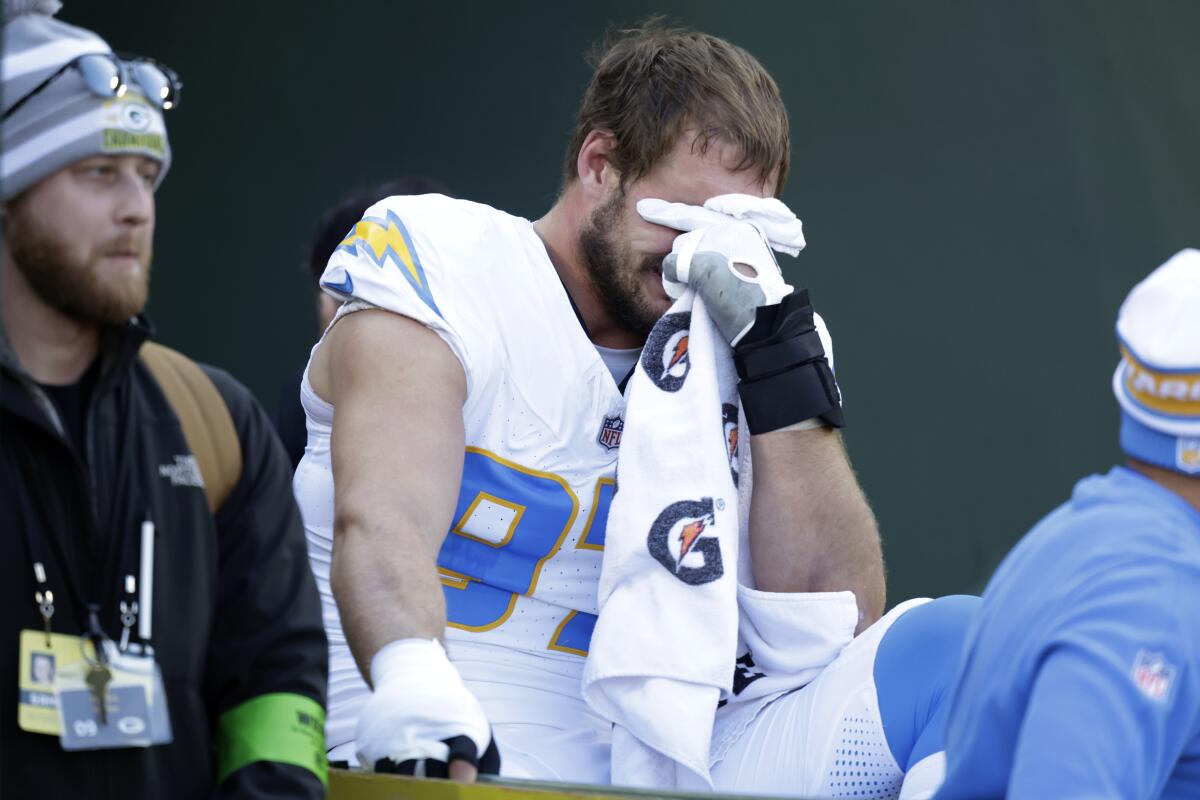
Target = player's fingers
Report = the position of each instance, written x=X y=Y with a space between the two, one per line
x=670 y=267
x=463 y=771
x=701 y=262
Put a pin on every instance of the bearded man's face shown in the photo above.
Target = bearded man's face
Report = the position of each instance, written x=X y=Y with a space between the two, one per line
x=628 y=283
x=82 y=237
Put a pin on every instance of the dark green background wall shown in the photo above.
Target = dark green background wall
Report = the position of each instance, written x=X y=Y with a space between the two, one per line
x=980 y=183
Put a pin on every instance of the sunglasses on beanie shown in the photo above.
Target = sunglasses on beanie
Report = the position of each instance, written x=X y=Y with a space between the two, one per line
x=109 y=75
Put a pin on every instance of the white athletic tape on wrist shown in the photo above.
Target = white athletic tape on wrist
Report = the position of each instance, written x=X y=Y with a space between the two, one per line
x=419 y=700
x=806 y=425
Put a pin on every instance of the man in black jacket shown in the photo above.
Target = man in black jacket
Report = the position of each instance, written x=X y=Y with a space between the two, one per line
x=101 y=497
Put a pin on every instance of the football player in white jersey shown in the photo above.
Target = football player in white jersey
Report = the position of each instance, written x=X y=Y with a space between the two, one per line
x=477 y=372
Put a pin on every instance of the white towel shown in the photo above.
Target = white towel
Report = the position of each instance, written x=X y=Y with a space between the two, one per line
x=666 y=640
x=674 y=629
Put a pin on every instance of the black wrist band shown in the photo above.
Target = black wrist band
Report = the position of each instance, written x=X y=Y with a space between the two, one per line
x=767 y=359
x=785 y=398
x=784 y=376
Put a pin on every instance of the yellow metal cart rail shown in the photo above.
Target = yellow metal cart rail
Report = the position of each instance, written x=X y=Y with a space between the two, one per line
x=355 y=785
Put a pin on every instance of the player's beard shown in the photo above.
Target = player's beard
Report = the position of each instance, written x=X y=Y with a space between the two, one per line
x=73 y=284
x=617 y=274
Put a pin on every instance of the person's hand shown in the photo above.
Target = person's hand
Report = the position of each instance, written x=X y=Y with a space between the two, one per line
x=732 y=269
x=781 y=228
x=725 y=254
x=421 y=719
x=785 y=379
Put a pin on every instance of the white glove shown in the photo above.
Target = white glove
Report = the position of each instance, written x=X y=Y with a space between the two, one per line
x=729 y=229
x=779 y=226
x=420 y=710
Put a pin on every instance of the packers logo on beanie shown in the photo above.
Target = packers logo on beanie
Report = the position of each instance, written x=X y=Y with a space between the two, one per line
x=1157 y=382
x=64 y=121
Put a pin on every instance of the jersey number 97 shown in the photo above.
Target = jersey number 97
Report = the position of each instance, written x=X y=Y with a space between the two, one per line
x=509 y=521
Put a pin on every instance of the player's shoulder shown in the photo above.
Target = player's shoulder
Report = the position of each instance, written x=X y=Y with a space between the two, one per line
x=428 y=238
x=1117 y=531
x=432 y=214
x=420 y=254
x=444 y=225
x=1127 y=512
x=1121 y=535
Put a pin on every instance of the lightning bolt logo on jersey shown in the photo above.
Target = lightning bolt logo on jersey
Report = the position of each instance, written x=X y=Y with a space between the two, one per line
x=521 y=560
x=387 y=243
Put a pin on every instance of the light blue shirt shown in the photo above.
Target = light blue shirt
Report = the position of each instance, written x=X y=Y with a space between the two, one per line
x=1081 y=670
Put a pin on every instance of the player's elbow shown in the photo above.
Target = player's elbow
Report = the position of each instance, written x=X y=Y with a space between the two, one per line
x=870 y=587
x=872 y=599
x=351 y=523
x=375 y=533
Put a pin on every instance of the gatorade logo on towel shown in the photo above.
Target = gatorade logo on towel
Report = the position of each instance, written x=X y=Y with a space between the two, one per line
x=665 y=356
x=729 y=423
x=679 y=542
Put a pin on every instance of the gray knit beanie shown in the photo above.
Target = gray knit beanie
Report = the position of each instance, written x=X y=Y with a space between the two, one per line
x=65 y=122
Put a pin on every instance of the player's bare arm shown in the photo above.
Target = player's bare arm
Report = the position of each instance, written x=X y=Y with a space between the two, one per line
x=811 y=529
x=398 y=389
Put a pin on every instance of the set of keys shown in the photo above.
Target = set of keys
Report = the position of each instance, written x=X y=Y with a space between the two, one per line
x=113 y=697
x=98 y=677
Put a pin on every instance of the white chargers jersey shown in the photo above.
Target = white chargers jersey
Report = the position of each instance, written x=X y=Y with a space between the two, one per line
x=521 y=561
x=543 y=419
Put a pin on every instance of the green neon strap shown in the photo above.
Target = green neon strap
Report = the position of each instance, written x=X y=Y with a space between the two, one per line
x=281 y=727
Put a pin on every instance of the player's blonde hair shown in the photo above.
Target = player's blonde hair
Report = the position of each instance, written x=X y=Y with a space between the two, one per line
x=653 y=83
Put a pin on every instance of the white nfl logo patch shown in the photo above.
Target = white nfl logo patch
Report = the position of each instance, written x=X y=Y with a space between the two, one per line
x=1153 y=675
x=1187 y=455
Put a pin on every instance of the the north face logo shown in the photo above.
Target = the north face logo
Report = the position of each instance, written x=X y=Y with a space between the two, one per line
x=184 y=472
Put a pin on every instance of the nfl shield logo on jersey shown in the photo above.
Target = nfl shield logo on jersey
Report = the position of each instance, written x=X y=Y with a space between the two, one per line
x=1187 y=455
x=610 y=432
x=1153 y=675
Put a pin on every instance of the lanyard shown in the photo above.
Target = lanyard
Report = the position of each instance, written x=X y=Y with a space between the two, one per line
x=131 y=610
